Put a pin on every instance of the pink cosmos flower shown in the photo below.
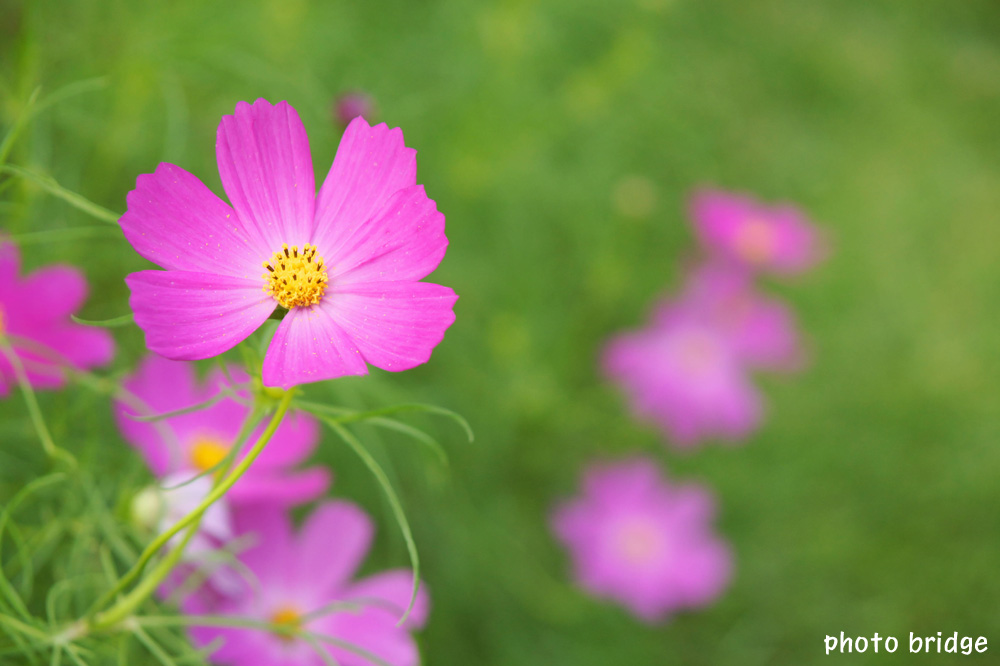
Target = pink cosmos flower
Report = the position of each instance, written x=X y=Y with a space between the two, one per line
x=34 y=316
x=189 y=444
x=762 y=331
x=345 y=263
x=296 y=577
x=779 y=239
x=639 y=541
x=684 y=374
x=350 y=105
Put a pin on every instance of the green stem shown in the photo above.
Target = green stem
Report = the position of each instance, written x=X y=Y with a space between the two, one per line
x=29 y=398
x=127 y=605
x=121 y=609
x=98 y=384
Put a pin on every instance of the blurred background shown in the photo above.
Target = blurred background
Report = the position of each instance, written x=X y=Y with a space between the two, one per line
x=561 y=139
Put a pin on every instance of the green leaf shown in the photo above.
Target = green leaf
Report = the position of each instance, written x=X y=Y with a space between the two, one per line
x=27 y=571
x=21 y=648
x=153 y=647
x=6 y=589
x=146 y=418
x=415 y=433
x=114 y=322
x=320 y=649
x=32 y=108
x=18 y=126
x=49 y=184
x=34 y=411
x=69 y=234
x=72 y=90
x=351 y=416
x=397 y=507
x=71 y=651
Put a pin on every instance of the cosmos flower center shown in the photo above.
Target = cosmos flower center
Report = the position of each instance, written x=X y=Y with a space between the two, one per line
x=696 y=351
x=1 y=322
x=296 y=278
x=639 y=541
x=208 y=452
x=756 y=241
x=288 y=618
x=735 y=309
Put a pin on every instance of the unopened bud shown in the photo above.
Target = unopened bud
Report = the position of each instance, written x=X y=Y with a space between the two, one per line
x=148 y=507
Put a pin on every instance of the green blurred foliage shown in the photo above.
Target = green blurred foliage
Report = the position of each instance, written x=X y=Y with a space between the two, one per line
x=561 y=138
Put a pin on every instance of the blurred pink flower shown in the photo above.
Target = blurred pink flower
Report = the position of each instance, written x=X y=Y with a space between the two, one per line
x=762 y=331
x=189 y=444
x=345 y=263
x=350 y=105
x=35 y=319
x=684 y=374
x=648 y=545
x=296 y=576
x=779 y=239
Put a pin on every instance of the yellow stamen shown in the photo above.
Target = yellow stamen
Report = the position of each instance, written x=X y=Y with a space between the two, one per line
x=295 y=278
x=756 y=241
x=697 y=352
x=207 y=453
x=639 y=542
x=1 y=322
x=287 y=617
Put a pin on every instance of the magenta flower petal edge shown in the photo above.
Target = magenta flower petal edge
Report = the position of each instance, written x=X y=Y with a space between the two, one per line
x=35 y=322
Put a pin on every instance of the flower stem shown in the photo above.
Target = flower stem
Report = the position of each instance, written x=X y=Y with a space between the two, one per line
x=130 y=602
x=52 y=451
x=147 y=585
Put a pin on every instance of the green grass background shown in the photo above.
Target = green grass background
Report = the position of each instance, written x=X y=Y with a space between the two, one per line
x=868 y=501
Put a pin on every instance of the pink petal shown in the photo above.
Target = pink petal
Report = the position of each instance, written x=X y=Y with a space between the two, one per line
x=279 y=487
x=371 y=165
x=71 y=344
x=610 y=482
x=395 y=325
x=177 y=223
x=38 y=310
x=707 y=568
x=308 y=347
x=331 y=546
x=722 y=219
x=404 y=241
x=801 y=245
x=40 y=377
x=161 y=385
x=189 y=316
x=267 y=172
x=80 y=346
x=271 y=531
x=372 y=631
x=51 y=293
x=692 y=505
x=237 y=646
x=391 y=592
